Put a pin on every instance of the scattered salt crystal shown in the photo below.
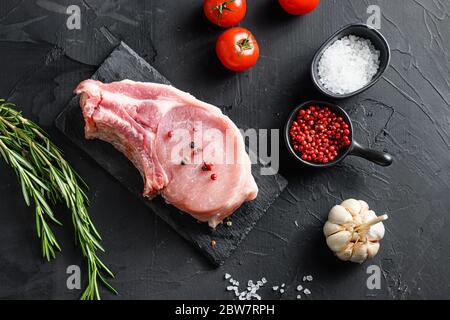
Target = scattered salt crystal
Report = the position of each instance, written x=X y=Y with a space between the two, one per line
x=252 y=288
x=348 y=64
x=296 y=223
x=250 y=295
x=250 y=292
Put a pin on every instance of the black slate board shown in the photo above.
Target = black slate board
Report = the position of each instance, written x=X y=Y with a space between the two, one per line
x=124 y=63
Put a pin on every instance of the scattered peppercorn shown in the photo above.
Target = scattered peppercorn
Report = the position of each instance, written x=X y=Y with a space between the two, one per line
x=192 y=145
x=214 y=176
x=319 y=135
x=206 y=166
x=183 y=162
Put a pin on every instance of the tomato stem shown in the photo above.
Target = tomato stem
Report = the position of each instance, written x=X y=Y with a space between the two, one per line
x=221 y=8
x=244 y=44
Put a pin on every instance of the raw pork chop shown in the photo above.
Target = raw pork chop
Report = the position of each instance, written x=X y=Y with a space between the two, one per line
x=186 y=150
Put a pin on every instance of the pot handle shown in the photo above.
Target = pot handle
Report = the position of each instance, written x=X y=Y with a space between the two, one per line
x=377 y=157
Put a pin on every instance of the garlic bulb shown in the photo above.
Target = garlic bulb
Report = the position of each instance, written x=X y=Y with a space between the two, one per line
x=353 y=231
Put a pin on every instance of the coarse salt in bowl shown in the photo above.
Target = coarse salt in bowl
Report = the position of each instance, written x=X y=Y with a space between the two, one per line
x=350 y=61
x=348 y=65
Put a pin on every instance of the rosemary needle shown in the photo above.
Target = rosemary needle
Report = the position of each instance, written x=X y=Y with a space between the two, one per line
x=46 y=178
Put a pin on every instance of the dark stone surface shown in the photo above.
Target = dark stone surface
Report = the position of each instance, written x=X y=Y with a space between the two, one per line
x=124 y=63
x=406 y=113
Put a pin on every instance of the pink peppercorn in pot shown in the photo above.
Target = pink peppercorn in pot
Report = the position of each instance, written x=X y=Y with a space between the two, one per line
x=320 y=134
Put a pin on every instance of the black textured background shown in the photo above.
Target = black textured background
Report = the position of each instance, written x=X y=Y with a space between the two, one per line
x=406 y=113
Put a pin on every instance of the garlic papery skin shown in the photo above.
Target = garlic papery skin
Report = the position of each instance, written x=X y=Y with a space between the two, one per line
x=353 y=231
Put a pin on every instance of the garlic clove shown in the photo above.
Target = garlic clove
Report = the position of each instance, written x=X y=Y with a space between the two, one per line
x=345 y=254
x=330 y=228
x=339 y=215
x=352 y=205
x=359 y=253
x=376 y=231
x=339 y=241
x=357 y=219
x=368 y=215
x=355 y=237
x=364 y=206
x=372 y=249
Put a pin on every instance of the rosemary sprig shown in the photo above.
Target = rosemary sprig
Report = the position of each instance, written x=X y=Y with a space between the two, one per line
x=46 y=178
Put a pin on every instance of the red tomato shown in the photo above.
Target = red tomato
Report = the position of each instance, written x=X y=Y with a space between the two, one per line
x=225 y=13
x=237 y=49
x=299 y=7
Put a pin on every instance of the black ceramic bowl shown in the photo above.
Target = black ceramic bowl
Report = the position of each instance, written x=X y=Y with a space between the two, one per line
x=354 y=149
x=363 y=31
